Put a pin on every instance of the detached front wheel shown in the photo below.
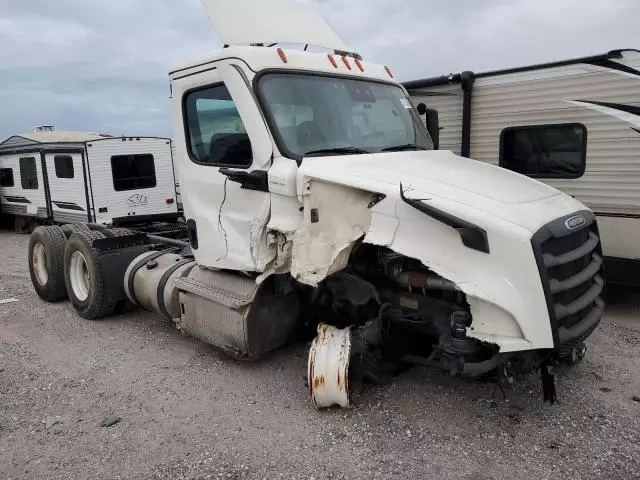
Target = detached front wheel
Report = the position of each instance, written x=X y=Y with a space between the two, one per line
x=84 y=278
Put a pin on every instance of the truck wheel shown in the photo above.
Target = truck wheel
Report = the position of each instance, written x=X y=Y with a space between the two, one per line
x=116 y=232
x=46 y=267
x=328 y=367
x=83 y=277
x=70 y=228
x=23 y=224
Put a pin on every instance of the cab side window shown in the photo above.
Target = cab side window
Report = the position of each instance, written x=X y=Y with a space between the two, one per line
x=215 y=132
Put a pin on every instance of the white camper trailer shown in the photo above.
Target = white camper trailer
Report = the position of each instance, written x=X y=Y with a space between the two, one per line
x=78 y=177
x=574 y=125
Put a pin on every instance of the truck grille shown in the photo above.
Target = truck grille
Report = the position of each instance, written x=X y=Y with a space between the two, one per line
x=569 y=258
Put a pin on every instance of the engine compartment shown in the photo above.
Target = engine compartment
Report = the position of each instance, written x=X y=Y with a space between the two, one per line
x=399 y=313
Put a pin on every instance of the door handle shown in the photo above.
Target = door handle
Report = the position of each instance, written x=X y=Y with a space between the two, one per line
x=254 y=180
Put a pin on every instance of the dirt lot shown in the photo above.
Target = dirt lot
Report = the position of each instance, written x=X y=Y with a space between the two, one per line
x=186 y=411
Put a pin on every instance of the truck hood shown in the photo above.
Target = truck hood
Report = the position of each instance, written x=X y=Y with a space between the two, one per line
x=440 y=174
x=431 y=170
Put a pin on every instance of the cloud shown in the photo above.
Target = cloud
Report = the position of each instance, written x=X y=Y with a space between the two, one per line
x=102 y=66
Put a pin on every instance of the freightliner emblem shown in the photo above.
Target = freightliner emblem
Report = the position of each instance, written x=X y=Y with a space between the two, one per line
x=575 y=222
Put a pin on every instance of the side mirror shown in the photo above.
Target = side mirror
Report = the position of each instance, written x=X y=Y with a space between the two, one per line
x=433 y=126
x=422 y=108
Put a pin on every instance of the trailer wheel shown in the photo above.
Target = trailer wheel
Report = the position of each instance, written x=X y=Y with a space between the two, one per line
x=46 y=267
x=70 y=228
x=83 y=278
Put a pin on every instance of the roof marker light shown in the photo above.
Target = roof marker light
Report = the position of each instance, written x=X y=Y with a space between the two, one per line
x=332 y=60
x=388 y=71
x=283 y=56
x=346 y=63
x=359 y=64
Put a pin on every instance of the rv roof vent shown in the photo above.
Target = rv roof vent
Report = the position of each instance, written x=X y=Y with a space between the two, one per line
x=43 y=128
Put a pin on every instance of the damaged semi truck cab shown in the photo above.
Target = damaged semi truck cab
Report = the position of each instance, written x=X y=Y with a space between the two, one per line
x=315 y=168
x=315 y=201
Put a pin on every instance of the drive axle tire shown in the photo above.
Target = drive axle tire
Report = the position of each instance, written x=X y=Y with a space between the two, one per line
x=46 y=262
x=83 y=277
x=71 y=228
x=116 y=232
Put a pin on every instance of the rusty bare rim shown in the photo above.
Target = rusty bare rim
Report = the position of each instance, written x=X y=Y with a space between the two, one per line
x=328 y=367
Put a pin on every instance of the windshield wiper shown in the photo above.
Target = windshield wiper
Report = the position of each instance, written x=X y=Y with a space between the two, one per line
x=337 y=150
x=407 y=146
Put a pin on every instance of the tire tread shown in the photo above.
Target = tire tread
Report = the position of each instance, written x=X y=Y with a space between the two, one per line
x=99 y=304
x=54 y=241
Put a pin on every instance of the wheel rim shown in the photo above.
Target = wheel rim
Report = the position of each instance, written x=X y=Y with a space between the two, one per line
x=39 y=260
x=79 y=276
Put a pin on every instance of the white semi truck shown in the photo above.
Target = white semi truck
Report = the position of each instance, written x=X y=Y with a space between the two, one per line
x=315 y=200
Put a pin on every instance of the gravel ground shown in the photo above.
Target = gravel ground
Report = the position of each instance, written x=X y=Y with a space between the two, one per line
x=182 y=410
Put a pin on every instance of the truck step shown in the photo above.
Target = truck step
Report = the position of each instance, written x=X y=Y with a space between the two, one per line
x=231 y=290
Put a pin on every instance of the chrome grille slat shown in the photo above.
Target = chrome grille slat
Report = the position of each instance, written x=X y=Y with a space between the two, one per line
x=583 y=301
x=586 y=248
x=567 y=334
x=594 y=267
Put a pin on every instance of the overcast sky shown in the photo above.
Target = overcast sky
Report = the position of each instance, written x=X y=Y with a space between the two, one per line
x=101 y=65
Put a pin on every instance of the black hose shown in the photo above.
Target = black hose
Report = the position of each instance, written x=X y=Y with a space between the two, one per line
x=155 y=238
x=167 y=241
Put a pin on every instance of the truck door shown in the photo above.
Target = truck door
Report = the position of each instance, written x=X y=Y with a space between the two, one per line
x=219 y=130
x=67 y=187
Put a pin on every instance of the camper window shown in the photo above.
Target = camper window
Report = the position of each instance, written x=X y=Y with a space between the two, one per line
x=6 y=177
x=545 y=151
x=28 y=173
x=64 y=166
x=215 y=132
x=133 y=172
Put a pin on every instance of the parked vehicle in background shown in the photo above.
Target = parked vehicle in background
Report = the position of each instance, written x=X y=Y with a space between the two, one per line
x=573 y=124
x=80 y=177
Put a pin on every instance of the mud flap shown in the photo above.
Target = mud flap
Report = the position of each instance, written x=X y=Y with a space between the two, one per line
x=548 y=384
x=328 y=367
x=114 y=256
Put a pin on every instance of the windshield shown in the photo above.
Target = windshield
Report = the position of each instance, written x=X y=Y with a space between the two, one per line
x=326 y=115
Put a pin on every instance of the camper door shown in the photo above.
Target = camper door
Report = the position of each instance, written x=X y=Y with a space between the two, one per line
x=67 y=187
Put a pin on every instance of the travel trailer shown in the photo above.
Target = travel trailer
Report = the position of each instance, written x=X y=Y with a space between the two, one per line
x=315 y=202
x=573 y=124
x=79 y=177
